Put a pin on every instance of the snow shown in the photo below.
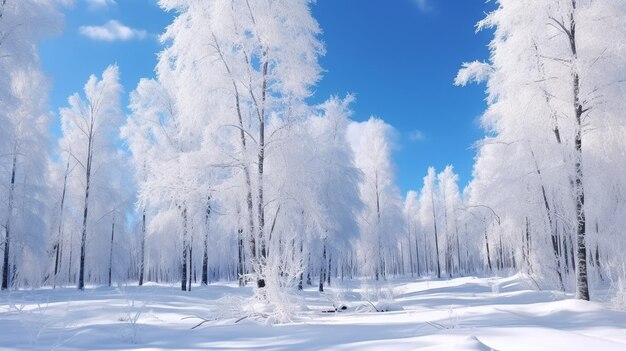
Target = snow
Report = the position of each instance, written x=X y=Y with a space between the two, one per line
x=458 y=314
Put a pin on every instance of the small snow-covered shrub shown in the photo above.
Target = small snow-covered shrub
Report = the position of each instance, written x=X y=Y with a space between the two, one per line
x=337 y=297
x=378 y=298
x=130 y=315
x=376 y=291
x=453 y=318
x=275 y=303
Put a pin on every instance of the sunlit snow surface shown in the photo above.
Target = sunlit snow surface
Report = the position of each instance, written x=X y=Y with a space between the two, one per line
x=457 y=314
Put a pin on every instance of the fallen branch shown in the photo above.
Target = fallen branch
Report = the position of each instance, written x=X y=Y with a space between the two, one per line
x=204 y=320
x=373 y=306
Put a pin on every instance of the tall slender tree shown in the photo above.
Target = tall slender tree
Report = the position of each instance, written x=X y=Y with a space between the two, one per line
x=88 y=124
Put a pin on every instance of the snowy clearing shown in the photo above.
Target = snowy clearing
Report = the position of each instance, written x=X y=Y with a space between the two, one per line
x=458 y=314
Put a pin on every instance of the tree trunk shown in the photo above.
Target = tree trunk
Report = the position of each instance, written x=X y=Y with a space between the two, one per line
x=432 y=198
x=329 y=269
x=552 y=223
x=458 y=246
x=183 y=281
x=240 y=258
x=83 y=240
x=7 y=228
x=500 y=253
x=582 y=286
x=526 y=247
x=487 y=247
x=143 y=247
x=448 y=252
x=417 y=255
x=309 y=281
x=111 y=252
x=190 y=263
x=69 y=264
x=322 y=267
x=205 y=256
x=57 y=260
x=261 y=164
x=300 y=281
x=411 y=262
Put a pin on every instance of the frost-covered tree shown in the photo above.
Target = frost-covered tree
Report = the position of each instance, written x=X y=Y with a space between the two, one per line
x=450 y=200
x=25 y=190
x=23 y=140
x=244 y=56
x=428 y=214
x=381 y=219
x=89 y=126
x=555 y=84
x=144 y=130
x=326 y=169
x=413 y=231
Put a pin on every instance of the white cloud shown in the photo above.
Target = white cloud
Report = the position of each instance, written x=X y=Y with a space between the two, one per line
x=100 y=4
x=112 y=31
x=423 y=5
x=417 y=135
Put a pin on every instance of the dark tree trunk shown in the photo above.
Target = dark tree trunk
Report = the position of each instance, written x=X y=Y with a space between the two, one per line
x=69 y=265
x=526 y=248
x=205 y=256
x=552 y=223
x=501 y=253
x=143 y=248
x=487 y=247
x=300 y=281
x=582 y=285
x=261 y=165
x=190 y=264
x=111 y=252
x=58 y=245
x=322 y=270
x=240 y=259
x=183 y=281
x=7 y=228
x=328 y=274
x=565 y=253
x=57 y=260
x=83 y=239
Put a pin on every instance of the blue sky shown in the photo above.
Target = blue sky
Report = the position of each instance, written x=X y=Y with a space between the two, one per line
x=399 y=57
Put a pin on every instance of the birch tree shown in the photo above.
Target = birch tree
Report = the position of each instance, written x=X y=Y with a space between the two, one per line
x=553 y=113
x=428 y=214
x=382 y=213
x=88 y=124
x=256 y=47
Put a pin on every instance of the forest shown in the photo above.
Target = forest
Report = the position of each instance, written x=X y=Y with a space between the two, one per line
x=221 y=172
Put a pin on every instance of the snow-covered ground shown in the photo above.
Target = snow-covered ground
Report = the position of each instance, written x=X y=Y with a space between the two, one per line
x=458 y=314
